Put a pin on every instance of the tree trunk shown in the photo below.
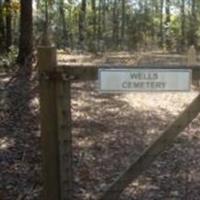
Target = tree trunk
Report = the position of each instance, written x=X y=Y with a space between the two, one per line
x=161 y=24
x=94 y=23
x=167 y=25
x=8 y=24
x=82 y=24
x=65 y=37
x=26 y=26
x=100 y=24
x=193 y=25
x=115 y=31
x=2 y=28
x=70 y=24
x=104 y=13
x=123 y=22
x=183 y=38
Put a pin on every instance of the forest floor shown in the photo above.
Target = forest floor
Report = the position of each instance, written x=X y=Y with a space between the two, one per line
x=109 y=132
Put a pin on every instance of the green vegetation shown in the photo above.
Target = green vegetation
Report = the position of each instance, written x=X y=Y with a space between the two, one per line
x=99 y=25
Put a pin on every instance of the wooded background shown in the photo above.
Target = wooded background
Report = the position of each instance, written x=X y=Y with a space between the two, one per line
x=99 y=25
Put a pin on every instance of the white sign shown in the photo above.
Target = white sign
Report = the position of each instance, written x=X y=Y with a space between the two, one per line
x=145 y=80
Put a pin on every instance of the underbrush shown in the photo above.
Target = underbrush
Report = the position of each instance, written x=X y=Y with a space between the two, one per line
x=7 y=60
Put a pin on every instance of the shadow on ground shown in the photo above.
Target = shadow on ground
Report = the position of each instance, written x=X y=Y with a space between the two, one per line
x=20 y=160
x=109 y=134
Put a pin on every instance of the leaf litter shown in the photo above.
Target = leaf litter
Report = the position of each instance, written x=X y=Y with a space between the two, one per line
x=109 y=132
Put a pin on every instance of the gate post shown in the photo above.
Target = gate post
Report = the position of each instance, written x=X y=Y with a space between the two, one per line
x=63 y=101
x=55 y=109
x=48 y=115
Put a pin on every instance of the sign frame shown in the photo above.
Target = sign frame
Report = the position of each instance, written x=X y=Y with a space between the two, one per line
x=137 y=69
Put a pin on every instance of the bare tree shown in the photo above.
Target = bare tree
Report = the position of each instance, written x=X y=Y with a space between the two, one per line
x=26 y=26
x=8 y=24
x=115 y=29
x=2 y=28
x=161 y=24
x=82 y=24
x=93 y=5
x=123 y=2
x=193 y=24
x=183 y=38
x=167 y=24
x=65 y=35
